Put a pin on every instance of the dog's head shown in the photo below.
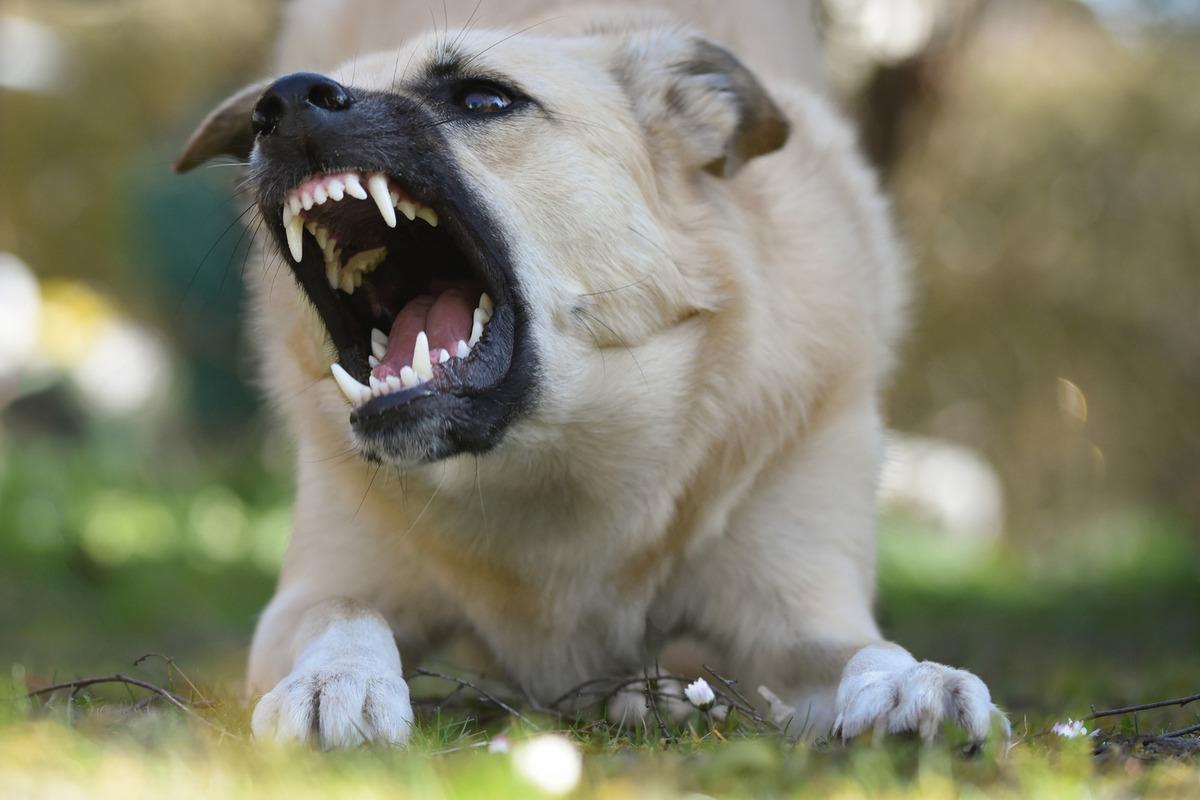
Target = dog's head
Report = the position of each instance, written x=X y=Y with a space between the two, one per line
x=476 y=220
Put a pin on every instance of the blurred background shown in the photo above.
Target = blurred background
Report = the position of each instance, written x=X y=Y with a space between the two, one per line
x=1042 y=522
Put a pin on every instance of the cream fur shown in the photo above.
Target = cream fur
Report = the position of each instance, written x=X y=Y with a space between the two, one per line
x=704 y=451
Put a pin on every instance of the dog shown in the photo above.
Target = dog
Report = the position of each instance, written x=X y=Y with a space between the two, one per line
x=582 y=349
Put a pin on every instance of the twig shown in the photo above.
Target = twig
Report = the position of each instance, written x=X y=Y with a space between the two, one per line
x=171 y=665
x=1113 y=712
x=1172 y=734
x=739 y=701
x=652 y=703
x=82 y=683
x=482 y=693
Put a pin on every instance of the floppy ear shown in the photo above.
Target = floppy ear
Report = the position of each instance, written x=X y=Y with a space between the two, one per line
x=225 y=131
x=712 y=105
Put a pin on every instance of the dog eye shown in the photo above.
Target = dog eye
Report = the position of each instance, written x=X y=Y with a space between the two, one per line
x=482 y=99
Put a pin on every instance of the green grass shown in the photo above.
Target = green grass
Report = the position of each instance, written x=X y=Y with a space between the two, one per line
x=104 y=557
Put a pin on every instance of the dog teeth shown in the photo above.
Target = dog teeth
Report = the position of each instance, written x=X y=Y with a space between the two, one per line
x=377 y=187
x=486 y=304
x=429 y=215
x=408 y=377
x=378 y=343
x=293 y=226
x=354 y=187
x=317 y=191
x=354 y=391
x=366 y=260
x=420 y=361
x=462 y=349
x=372 y=361
x=407 y=208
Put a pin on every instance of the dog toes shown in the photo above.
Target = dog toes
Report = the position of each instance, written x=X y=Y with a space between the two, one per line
x=335 y=709
x=917 y=699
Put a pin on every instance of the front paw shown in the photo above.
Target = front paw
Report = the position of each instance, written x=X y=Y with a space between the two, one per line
x=917 y=697
x=335 y=707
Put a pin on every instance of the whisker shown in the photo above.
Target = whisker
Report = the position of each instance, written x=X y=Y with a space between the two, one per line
x=628 y=349
x=196 y=272
x=467 y=62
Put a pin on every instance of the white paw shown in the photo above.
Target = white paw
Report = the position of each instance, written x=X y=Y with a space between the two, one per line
x=914 y=697
x=345 y=689
x=335 y=709
x=630 y=707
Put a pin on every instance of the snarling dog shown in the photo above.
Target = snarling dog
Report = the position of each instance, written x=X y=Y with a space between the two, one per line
x=582 y=353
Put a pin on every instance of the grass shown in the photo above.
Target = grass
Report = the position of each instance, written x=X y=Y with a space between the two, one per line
x=97 y=571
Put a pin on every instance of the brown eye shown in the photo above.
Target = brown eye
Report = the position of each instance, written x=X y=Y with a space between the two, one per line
x=483 y=100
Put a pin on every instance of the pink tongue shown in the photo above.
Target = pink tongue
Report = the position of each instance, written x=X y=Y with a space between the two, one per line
x=446 y=320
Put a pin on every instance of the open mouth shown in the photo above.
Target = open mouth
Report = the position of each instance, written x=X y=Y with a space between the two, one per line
x=412 y=306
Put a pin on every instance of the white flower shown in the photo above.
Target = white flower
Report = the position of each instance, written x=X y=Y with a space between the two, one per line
x=499 y=744
x=1071 y=729
x=700 y=694
x=550 y=762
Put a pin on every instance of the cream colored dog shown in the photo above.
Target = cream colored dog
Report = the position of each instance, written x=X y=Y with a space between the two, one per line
x=608 y=317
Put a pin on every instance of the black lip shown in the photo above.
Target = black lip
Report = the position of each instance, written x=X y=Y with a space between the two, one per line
x=389 y=133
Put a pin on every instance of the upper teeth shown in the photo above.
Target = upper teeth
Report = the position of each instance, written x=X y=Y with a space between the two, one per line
x=423 y=361
x=317 y=191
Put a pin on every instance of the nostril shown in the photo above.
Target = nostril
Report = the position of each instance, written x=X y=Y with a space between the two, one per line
x=266 y=115
x=330 y=95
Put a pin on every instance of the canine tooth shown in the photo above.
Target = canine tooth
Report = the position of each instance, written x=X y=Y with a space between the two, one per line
x=421 y=363
x=378 y=350
x=294 y=203
x=480 y=316
x=377 y=187
x=443 y=356
x=294 y=228
x=429 y=215
x=408 y=377
x=378 y=337
x=462 y=349
x=393 y=383
x=372 y=361
x=408 y=209
x=354 y=187
x=320 y=195
x=486 y=304
x=306 y=200
x=476 y=331
x=355 y=392
x=346 y=284
x=321 y=235
x=336 y=189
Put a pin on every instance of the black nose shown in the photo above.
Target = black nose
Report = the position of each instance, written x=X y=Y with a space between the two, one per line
x=296 y=97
